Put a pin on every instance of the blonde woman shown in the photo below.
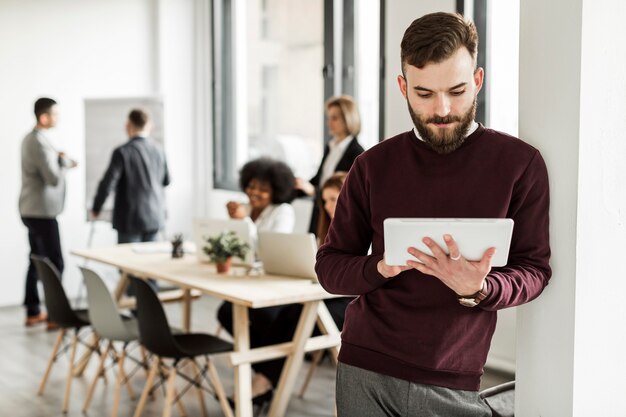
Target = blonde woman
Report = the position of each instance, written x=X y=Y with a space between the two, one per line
x=344 y=125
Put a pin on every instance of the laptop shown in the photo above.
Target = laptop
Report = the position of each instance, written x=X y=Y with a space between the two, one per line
x=208 y=227
x=473 y=236
x=289 y=254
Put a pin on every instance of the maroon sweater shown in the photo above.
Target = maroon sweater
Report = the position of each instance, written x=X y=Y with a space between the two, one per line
x=412 y=327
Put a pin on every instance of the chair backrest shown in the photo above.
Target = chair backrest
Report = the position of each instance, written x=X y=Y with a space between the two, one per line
x=103 y=313
x=154 y=331
x=58 y=306
x=501 y=399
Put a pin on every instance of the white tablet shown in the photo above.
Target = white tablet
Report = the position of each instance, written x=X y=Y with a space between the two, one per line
x=473 y=236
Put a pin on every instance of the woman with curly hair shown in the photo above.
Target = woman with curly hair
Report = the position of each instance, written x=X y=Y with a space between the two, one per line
x=284 y=326
x=268 y=183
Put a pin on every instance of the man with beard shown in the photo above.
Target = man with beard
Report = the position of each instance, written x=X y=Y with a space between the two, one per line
x=412 y=344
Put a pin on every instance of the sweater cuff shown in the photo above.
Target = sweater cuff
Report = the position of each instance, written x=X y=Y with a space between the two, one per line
x=371 y=274
x=491 y=288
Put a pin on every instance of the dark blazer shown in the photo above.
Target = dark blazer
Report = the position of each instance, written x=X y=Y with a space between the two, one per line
x=137 y=172
x=353 y=150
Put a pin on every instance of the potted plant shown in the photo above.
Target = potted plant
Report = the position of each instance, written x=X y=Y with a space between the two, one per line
x=223 y=247
x=177 y=246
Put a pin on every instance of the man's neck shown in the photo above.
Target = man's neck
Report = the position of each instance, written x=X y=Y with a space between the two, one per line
x=138 y=133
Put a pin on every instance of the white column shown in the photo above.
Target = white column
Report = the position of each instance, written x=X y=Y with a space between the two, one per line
x=570 y=351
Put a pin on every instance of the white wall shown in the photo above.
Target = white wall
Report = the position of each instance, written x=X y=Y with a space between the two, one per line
x=549 y=111
x=599 y=365
x=398 y=16
x=572 y=104
x=72 y=50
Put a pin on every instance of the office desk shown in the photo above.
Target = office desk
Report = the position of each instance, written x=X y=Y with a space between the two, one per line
x=244 y=292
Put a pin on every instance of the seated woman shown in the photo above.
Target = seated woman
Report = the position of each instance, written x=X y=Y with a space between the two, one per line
x=268 y=183
x=269 y=186
x=283 y=328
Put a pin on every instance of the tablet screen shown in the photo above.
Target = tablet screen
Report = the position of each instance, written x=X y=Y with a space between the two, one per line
x=473 y=237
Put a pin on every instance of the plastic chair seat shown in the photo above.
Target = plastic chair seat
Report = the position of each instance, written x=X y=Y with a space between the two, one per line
x=82 y=319
x=196 y=344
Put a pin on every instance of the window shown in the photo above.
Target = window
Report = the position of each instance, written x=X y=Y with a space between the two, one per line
x=275 y=62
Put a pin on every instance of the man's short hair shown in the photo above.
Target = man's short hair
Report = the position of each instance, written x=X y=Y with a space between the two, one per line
x=349 y=112
x=43 y=105
x=138 y=118
x=435 y=37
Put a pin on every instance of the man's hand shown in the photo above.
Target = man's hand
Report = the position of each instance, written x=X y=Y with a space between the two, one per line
x=66 y=161
x=93 y=215
x=390 y=271
x=236 y=210
x=460 y=275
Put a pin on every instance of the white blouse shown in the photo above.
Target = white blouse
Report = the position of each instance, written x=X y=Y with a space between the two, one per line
x=279 y=218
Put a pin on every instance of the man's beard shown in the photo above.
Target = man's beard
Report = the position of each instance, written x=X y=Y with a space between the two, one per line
x=447 y=140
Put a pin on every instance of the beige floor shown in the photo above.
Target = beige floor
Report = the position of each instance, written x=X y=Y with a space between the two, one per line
x=24 y=354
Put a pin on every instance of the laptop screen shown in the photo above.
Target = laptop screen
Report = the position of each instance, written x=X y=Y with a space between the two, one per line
x=288 y=254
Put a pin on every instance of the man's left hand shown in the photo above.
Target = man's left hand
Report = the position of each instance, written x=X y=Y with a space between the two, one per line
x=460 y=275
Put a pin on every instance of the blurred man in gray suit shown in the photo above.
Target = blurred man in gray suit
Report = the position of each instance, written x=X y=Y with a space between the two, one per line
x=138 y=173
x=41 y=199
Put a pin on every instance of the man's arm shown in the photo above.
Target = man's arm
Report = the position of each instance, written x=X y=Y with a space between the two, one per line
x=166 y=174
x=343 y=266
x=47 y=163
x=528 y=270
x=109 y=181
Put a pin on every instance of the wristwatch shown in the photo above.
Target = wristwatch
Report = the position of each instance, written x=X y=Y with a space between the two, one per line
x=474 y=299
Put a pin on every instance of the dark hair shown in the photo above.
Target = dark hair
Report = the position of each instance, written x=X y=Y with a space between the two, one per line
x=435 y=37
x=43 y=105
x=138 y=118
x=336 y=181
x=276 y=173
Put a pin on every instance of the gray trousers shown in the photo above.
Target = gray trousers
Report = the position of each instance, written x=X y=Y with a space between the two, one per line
x=362 y=393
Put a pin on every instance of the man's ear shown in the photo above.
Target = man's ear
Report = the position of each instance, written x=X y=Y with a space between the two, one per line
x=402 y=85
x=479 y=76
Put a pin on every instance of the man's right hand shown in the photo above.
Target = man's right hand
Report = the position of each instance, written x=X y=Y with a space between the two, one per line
x=390 y=271
x=93 y=215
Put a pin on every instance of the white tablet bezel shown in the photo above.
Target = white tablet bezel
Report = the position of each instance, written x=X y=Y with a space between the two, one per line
x=473 y=236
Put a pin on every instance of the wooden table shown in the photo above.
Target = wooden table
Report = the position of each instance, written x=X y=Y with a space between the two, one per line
x=244 y=291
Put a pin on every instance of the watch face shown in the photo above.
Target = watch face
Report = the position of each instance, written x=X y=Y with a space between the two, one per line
x=468 y=302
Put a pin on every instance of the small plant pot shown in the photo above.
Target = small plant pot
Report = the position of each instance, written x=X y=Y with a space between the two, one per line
x=224 y=267
x=177 y=251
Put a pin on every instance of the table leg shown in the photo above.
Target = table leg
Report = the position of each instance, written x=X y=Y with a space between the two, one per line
x=294 y=360
x=243 y=372
x=121 y=286
x=327 y=325
x=186 y=306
